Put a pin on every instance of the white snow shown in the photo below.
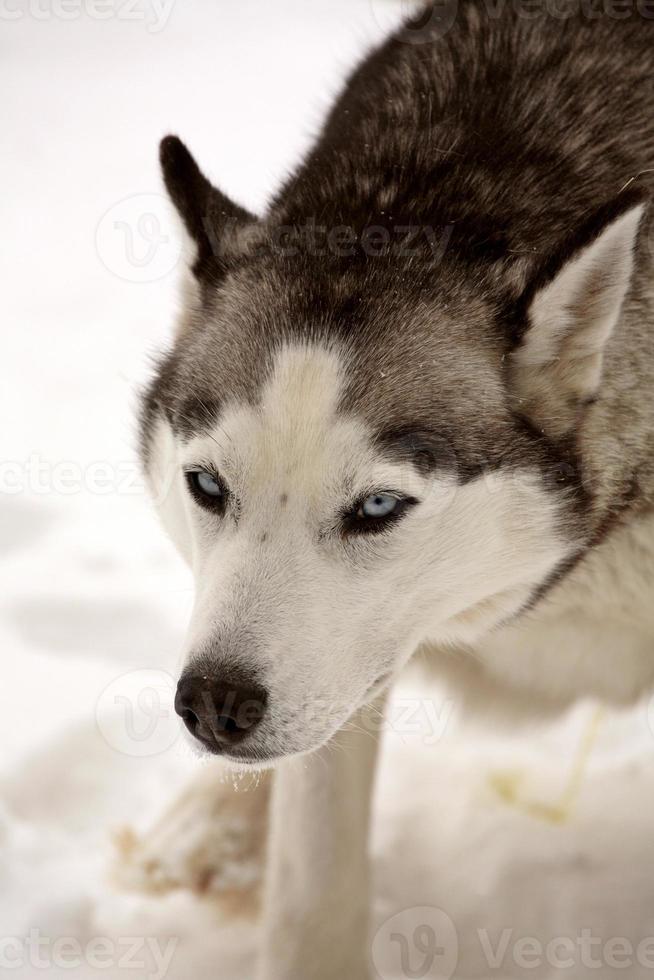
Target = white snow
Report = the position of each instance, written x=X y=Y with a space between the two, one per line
x=94 y=601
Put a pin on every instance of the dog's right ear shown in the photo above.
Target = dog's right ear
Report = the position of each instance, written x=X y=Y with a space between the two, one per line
x=209 y=217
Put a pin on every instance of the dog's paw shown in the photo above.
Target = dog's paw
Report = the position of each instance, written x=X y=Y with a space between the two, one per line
x=211 y=840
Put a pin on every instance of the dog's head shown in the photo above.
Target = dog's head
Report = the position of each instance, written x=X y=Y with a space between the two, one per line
x=360 y=453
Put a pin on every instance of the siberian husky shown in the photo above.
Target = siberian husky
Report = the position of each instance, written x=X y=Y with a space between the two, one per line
x=411 y=406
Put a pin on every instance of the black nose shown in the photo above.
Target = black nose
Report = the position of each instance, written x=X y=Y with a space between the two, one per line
x=219 y=711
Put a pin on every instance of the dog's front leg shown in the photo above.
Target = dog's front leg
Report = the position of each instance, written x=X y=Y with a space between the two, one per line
x=316 y=903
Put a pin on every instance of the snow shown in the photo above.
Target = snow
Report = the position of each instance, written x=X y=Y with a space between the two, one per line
x=94 y=601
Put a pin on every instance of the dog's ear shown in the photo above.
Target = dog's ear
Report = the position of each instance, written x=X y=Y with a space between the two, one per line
x=568 y=313
x=208 y=215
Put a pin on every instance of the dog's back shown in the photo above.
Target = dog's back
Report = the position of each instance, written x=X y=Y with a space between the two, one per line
x=511 y=129
x=510 y=122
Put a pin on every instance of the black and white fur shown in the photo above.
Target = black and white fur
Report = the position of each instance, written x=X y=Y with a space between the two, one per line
x=499 y=385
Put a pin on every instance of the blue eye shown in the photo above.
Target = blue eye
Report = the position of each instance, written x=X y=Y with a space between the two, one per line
x=377 y=512
x=379 y=505
x=208 y=484
x=207 y=489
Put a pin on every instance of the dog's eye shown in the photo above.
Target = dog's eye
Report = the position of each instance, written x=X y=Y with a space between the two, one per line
x=208 y=484
x=379 y=505
x=207 y=489
x=377 y=512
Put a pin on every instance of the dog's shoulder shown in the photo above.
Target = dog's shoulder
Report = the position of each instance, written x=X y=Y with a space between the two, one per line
x=590 y=635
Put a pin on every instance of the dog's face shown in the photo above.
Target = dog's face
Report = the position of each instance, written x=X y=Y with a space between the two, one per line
x=341 y=462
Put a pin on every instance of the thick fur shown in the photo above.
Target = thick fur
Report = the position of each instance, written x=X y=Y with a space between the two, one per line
x=486 y=350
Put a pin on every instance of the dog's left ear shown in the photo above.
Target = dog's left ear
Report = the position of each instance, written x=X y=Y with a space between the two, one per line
x=570 y=310
x=209 y=216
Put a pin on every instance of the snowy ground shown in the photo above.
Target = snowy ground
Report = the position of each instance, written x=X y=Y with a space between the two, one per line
x=94 y=601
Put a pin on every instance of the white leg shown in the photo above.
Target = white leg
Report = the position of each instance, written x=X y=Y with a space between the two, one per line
x=316 y=905
x=211 y=839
